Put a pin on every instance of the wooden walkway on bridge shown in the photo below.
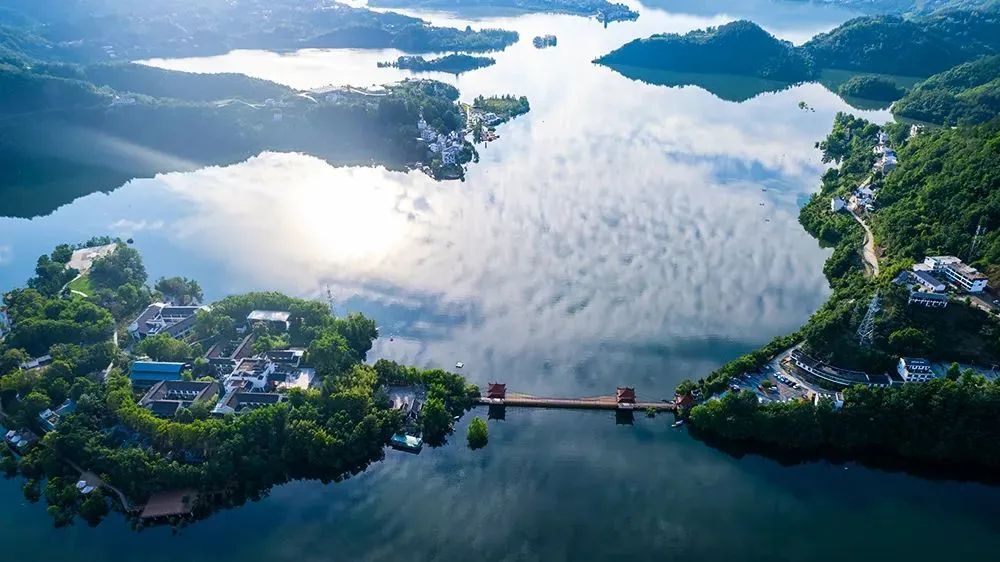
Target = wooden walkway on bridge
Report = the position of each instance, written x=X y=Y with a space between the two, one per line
x=517 y=400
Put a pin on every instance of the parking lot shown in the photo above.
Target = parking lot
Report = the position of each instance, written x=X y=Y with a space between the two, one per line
x=785 y=387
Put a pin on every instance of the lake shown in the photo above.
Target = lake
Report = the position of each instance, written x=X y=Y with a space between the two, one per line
x=622 y=232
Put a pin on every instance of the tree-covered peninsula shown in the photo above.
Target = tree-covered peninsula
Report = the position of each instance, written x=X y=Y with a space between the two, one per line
x=83 y=414
x=964 y=95
x=933 y=203
x=104 y=30
x=740 y=48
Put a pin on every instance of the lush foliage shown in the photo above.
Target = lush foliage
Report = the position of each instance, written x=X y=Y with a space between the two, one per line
x=911 y=47
x=454 y=63
x=871 y=88
x=966 y=94
x=505 y=107
x=179 y=290
x=740 y=47
x=947 y=183
x=942 y=421
x=478 y=433
x=327 y=432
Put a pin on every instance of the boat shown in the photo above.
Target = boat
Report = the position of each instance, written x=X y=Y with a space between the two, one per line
x=678 y=423
x=459 y=365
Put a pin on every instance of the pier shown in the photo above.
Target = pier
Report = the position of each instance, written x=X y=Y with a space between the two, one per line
x=623 y=400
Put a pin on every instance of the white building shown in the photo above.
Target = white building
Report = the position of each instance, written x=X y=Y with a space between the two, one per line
x=928 y=281
x=837 y=204
x=957 y=273
x=914 y=370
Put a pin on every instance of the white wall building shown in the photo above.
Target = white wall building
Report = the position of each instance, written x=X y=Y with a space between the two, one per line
x=957 y=273
x=914 y=370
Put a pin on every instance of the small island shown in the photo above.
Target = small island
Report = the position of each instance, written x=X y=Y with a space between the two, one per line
x=452 y=64
x=543 y=41
x=875 y=88
x=121 y=398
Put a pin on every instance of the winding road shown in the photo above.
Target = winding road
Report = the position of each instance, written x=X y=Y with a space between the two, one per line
x=868 y=250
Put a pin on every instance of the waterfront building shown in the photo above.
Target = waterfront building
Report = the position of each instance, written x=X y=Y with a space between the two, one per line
x=957 y=273
x=163 y=318
x=914 y=370
x=625 y=395
x=166 y=397
x=496 y=390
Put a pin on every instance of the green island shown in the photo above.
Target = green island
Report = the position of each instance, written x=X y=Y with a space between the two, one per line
x=870 y=351
x=102 y=30
x=455 y=63
x=871 y=87
x=122 y=399
x=603 y=10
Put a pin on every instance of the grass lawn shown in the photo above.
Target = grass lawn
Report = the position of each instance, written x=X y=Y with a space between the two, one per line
x=81 y=284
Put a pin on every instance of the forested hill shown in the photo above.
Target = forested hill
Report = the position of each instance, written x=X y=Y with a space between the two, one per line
x=740 y=47
x=948 y=183
x=909 y=46
x=110 y=30
x=966 y=94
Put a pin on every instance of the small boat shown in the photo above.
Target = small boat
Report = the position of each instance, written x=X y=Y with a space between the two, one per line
x=678 y=423
x=459 y=365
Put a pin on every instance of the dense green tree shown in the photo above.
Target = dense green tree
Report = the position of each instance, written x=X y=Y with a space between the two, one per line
x=164 y=347
x=478 y=433
x=179 y=290
x=123 y=266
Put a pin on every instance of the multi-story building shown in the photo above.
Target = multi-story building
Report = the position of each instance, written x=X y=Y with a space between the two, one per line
x=957 y=273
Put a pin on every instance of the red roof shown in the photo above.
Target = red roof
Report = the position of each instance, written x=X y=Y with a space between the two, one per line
x=496 y=390
x=685 y=401
x=625 y=394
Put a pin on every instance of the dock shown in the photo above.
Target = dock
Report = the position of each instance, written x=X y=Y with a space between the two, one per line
x=623 y=400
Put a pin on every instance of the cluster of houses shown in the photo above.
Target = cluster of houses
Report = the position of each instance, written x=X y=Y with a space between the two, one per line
x=448 y=146
x=243 y=380
x=863 y=196
x=929 y=280
x=162 y=318
x=887 y=160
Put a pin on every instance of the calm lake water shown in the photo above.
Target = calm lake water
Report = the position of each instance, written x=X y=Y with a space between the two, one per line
x=621 y=232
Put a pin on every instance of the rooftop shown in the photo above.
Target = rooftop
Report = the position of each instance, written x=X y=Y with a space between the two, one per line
x=268 y=316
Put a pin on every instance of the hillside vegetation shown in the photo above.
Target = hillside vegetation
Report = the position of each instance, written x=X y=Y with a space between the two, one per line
x=966 y=94
x=740 y=47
